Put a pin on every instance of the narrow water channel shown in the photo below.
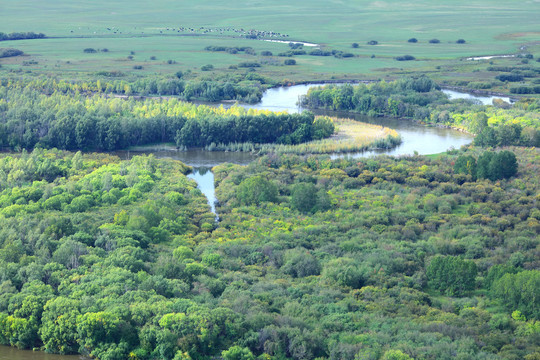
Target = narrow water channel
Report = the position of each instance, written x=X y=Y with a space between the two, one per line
x=416 y=138
x=205 y=182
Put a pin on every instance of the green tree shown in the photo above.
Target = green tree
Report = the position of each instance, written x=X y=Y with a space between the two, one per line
x=304 y=197
x=256 y=189
x=451 y=275
x=59 y=326
x=237 y=353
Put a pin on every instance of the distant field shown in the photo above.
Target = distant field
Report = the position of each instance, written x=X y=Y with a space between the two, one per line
x=178 y=31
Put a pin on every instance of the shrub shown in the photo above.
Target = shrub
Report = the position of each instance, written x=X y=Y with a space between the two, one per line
x=266 y=53
x=434 y=41
x=509 y=77
x=460 y=41
x=207 y=67
x=372 y=42
x=412 y=40
x=10 y=52
x=405 y=58
x=89 y=50
x=355 y=45
x=290 y=62
x=319 y=52
x=138 y=67
x=249 y=64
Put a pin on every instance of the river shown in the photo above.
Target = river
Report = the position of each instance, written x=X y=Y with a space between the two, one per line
x=416 y=138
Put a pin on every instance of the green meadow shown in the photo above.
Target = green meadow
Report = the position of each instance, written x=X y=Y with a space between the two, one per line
x=176 y=33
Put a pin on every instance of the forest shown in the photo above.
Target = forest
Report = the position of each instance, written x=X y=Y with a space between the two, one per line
x=378 y=258
x=30 y=118
x=421 y=100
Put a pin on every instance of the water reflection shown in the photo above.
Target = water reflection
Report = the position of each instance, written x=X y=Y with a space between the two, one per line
x=11 y=353
x=205 y=182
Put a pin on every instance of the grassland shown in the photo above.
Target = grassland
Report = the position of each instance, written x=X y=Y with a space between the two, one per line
x=177 y=33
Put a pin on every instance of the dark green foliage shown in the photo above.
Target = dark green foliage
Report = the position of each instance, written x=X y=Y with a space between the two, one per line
x=9 y=52
x=249 y=64
x=509 y=77
x=405 y=58
x=304 y=197
x=90 y=50
x=434 y=41
x=466 y=164
x=290 y=62
x=21 y=36
x=412 y=40
x=355 y=45
x=300 y=263
x=79 y=123
x=372 y=42
x=207 y=67
x=256 y=190
x=451 y=275
x=460 y=41
x=495 y=166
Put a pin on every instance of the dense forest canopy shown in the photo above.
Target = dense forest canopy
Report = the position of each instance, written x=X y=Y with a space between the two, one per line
x=314 y=258
x=29 y=118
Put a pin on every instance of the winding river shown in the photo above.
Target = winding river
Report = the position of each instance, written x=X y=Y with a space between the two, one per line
x=416 y=138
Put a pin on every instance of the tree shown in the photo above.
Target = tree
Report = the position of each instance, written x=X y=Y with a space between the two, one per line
x=520 y=291
x=304 y=197
x=254 y=190
x=451 y=275
x=466 y=164
x=59 y=326
x=237 y=353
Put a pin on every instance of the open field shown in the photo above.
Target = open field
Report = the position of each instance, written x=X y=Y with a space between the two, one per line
x=180 y=31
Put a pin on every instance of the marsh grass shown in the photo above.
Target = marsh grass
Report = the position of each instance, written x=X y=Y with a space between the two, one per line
x=350 y=136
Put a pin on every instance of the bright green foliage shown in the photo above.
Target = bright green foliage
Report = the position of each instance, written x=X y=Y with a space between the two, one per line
x=451 y=275
x=59 y=326
x=396 y=355
x=237 y=353
x=520 y=291
x=322 y=128
x=144 y=279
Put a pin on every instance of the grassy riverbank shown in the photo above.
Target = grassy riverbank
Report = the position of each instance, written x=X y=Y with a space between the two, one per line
x=349 y=136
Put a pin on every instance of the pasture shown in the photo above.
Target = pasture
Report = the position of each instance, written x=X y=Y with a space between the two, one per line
x=176 y=33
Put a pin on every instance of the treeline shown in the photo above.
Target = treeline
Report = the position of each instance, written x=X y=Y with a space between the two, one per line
x=490 y=165
x=21 y=36
x=420 y=99
x=29 y=119
x=245 y=88
x=288 y=129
